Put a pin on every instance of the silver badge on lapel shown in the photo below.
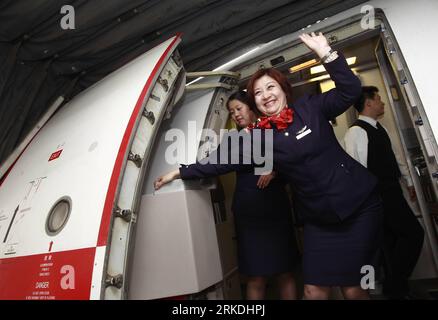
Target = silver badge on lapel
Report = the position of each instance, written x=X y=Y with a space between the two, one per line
x=303 y=132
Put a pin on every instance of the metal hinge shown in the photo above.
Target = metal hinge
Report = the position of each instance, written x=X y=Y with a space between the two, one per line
x=149 y=115
x=164 y=83
x=125 y=214
x=135 y=158
x=177 y=58
x=116 y=281
x=388 y=41
x=402 y=76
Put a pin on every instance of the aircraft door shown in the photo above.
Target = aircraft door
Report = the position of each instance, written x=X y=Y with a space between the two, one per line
x=68 y=204
x=418 y=143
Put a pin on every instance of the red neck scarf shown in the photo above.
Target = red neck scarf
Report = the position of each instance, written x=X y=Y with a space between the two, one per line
x=281 y=120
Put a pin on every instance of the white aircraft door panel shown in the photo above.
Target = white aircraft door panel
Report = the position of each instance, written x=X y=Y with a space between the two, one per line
x=79 y=158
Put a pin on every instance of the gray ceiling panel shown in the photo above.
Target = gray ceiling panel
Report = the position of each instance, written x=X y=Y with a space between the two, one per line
x=39 y=60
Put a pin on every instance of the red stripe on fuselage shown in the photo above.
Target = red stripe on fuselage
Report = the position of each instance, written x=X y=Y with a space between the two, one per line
x=112 y=188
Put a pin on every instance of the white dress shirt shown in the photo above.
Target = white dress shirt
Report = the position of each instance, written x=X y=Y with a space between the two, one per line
x=356 y=145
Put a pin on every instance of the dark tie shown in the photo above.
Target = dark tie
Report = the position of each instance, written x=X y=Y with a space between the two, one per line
x=379 y=126
x=381 y=129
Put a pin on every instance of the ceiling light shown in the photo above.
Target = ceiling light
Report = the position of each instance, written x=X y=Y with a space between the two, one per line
x=320 y=68
x=303 y=65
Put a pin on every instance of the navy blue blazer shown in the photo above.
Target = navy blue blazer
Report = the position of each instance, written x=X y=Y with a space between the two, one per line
x=328 y=184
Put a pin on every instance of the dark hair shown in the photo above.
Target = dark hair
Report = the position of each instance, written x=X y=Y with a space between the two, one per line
x=242 y=96
x=274 y=74
x=368 y=92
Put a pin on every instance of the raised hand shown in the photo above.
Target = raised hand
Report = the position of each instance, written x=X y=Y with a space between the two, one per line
x=317 y=43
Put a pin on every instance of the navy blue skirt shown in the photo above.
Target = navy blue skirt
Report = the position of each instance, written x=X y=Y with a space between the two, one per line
x=265 y=248
x=334 y=255
x=266 y=242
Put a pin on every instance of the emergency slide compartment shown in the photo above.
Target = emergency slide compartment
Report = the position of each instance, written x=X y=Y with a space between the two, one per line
x=176 y=243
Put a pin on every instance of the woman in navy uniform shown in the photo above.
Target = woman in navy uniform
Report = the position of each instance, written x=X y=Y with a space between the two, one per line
x=334 y=195
x=266 y=244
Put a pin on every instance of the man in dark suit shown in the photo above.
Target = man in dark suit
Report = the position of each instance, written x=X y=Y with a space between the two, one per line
x=368 y=142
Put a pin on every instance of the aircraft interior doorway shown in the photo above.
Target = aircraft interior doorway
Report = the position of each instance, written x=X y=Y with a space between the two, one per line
x=369 y=60
x=365 y=51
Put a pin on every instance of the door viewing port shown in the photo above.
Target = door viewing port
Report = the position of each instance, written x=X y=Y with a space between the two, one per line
x=58 y=216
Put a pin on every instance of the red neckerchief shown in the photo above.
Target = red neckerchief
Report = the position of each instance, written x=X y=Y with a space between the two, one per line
x=281 y=120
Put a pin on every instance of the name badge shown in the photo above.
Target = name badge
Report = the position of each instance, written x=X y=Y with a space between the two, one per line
x=303 y=134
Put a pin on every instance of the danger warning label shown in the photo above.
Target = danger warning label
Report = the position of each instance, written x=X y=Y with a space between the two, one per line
x=50 y=276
